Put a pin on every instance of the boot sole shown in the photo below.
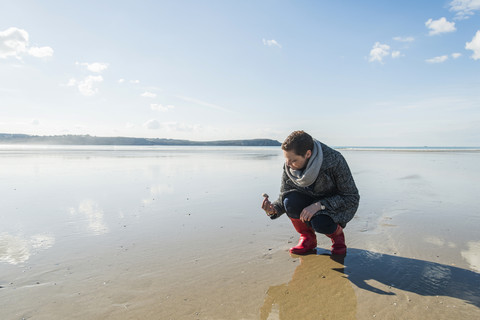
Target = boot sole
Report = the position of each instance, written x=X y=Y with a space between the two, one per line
x=301 y=253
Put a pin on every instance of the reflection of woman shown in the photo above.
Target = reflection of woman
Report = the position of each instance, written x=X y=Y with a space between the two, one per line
x=318 y=290
x=317 y=193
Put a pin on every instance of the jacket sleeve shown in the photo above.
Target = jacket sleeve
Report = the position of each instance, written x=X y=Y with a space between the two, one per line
x=346 y=197
x=278 y=204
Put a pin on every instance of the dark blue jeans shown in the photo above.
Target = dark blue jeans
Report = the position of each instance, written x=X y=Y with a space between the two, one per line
x=294 y=203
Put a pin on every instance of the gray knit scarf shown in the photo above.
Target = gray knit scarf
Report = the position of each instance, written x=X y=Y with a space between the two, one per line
x=307 y=176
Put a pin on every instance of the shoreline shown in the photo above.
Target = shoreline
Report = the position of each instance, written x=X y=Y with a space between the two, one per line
x=5 y=148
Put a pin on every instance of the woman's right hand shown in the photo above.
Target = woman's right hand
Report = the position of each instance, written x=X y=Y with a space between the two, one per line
x=268 y=207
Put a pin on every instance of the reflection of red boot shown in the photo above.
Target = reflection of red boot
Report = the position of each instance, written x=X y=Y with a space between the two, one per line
x=308 y=239
x=338 y=241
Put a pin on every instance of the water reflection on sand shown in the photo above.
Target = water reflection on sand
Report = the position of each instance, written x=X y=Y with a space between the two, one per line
x=472 y=254
x=17 y=249
x=318 y=290
x=108 y=233
x=76 y=192
x=90 y=211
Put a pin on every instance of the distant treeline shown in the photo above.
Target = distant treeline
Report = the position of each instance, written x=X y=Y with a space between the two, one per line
x=6 y=138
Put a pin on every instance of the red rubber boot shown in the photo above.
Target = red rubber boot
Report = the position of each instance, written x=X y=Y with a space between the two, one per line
x=308 y=239
x=338 y=241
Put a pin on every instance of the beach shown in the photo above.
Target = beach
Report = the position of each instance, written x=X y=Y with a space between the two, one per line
x=178 y=233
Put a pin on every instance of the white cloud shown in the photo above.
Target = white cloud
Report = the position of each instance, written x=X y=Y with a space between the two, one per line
x=440 y=26
x=404 y=39
x=121 y=80
x=159 y=107
x=35 y=122
x=379 y=51
x=14 y=43
x=135 y=81
x=42 y=52
x=86 y=86
x=474 y=45
x=464 y=8
x=439 y=59
x=96 y=67
x=152 y=124
x=456 y=55
x=396 y=54
x=147 y=94
x=271 y=43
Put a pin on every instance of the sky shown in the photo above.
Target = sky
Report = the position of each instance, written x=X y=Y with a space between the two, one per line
x=350 y=73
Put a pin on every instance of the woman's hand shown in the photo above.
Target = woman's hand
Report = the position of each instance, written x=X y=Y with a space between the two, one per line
x=268 y=207
x=308 y=212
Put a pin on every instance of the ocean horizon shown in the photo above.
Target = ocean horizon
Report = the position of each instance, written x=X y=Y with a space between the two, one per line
x=59 y=147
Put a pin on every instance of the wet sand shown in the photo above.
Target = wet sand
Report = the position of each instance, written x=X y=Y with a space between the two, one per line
x=178 y=234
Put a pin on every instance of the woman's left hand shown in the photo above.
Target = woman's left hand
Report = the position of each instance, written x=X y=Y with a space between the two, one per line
x=308 y=212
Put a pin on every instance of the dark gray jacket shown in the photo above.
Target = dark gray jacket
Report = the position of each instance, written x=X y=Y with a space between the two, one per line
x=334 y=188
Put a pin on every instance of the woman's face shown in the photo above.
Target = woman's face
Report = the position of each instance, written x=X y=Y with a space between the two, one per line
x=295 y=161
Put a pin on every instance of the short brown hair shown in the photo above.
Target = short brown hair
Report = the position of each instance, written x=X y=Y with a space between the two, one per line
x=299 y=142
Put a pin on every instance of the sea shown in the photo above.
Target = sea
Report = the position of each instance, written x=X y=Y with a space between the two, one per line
x=80 y=222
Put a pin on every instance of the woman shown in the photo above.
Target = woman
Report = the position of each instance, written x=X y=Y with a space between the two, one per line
x=318 y=193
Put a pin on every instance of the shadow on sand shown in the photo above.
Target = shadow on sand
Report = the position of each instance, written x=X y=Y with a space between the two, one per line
x=325 y=281
x=417 y=276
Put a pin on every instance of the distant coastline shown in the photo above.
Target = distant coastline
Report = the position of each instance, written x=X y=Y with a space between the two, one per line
x=87 y=140
x=6 y=138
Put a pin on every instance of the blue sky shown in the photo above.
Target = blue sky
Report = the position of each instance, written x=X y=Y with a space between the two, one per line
x=358 y=73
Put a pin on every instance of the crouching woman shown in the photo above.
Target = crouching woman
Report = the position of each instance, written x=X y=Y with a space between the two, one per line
x=317 y=193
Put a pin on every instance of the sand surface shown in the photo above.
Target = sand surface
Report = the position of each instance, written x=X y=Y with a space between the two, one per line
x=177 y=233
